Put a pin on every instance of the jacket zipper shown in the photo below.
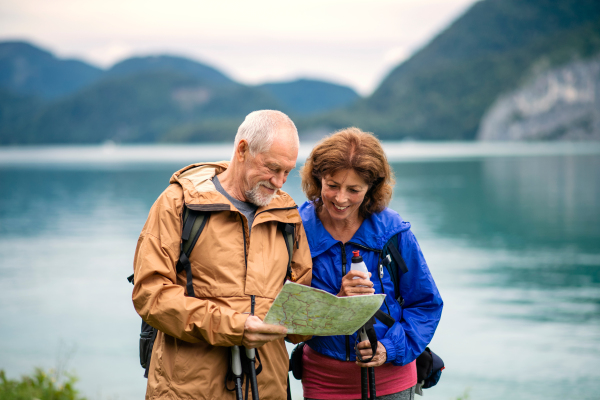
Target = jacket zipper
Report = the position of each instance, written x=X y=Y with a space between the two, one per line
x=344 y=261
x=252 y=297
x=244 y=236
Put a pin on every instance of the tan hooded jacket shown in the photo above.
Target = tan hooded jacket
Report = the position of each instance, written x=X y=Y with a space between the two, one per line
x=189 y=359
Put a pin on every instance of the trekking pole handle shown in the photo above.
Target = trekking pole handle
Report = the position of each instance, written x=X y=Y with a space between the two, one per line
x=250 y=353
x=362 y=334
x=236 y=362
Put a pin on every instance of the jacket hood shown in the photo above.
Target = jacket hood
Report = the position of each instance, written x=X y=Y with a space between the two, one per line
x=198 y=188
x=369 y=234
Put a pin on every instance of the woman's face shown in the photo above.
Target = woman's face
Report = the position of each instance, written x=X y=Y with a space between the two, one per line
x=342 y=194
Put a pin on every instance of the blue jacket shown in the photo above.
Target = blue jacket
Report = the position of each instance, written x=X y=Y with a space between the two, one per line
x=416 y=321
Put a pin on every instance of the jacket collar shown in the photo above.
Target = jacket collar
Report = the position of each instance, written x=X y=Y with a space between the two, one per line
x=200 y=193
x=373 y=233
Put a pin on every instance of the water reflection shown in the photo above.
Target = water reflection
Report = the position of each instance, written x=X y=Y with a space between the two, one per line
x=537 y=218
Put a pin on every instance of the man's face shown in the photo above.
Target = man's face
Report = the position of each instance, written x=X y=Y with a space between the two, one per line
x=266 y=173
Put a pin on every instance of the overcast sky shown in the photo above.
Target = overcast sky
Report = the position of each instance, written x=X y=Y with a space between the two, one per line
x=349 y=42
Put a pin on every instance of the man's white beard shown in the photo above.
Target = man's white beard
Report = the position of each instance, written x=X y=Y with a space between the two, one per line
x=255 y=196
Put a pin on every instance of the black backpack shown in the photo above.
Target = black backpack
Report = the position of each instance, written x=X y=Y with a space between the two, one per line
x=193 y=225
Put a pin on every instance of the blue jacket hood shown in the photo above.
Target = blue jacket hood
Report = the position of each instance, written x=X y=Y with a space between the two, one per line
x=370 y=234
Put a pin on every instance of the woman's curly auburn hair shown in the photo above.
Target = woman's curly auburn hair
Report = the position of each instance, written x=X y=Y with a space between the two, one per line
x=350 y=148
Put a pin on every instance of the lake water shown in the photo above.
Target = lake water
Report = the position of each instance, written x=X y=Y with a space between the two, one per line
x=511 y=234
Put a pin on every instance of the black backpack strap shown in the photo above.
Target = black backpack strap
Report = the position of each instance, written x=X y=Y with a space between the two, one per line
x=288 y=231
x=393 y=261
x=385 y=318
x=194 y=222
x=396 y=256
x=193 y=225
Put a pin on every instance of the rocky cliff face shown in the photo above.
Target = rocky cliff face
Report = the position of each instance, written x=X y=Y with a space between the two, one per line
x=560 y=104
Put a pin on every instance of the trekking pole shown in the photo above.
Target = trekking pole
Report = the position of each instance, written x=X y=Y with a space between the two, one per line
x=236 y=367
x=251 y=354
x=364 y=378
x=372 y=383
x=367 y=374
x=364 y=384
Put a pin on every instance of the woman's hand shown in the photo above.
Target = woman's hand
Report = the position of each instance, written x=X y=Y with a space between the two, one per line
x=364 y=348
x=350 y=286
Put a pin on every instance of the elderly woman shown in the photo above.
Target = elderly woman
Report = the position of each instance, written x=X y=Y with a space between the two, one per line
x=348 y=183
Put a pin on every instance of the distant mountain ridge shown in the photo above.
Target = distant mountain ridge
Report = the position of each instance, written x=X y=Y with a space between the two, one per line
x=135 y=65
x=141 y=99
x=307 y=97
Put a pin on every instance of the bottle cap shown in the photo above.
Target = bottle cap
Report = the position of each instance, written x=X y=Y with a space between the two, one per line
x=356 y=253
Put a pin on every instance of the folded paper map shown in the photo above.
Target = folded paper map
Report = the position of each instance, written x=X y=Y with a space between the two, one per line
x=308 y=311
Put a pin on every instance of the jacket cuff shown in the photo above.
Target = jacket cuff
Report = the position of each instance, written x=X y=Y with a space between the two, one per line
x=390 y=349
x=239 y=323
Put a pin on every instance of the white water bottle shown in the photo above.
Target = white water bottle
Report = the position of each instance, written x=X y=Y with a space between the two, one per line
x=358 y=265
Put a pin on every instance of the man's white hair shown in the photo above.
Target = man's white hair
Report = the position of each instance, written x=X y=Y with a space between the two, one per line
x=260 y=128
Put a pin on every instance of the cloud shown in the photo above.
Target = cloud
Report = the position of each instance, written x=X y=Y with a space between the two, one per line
x=106 y=55
x=396 y=55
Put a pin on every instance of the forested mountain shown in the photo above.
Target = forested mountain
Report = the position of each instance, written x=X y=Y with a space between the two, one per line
x=141 y=99
x=149 y=107
x=184 y=66
x=443 y=90
x=28 y=70
x=307 y=97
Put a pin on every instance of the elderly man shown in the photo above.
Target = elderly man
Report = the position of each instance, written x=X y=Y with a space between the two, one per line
x=240 y=258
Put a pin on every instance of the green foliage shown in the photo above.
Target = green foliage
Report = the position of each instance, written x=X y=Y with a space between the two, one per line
x=51 y=385
x=465 y=396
